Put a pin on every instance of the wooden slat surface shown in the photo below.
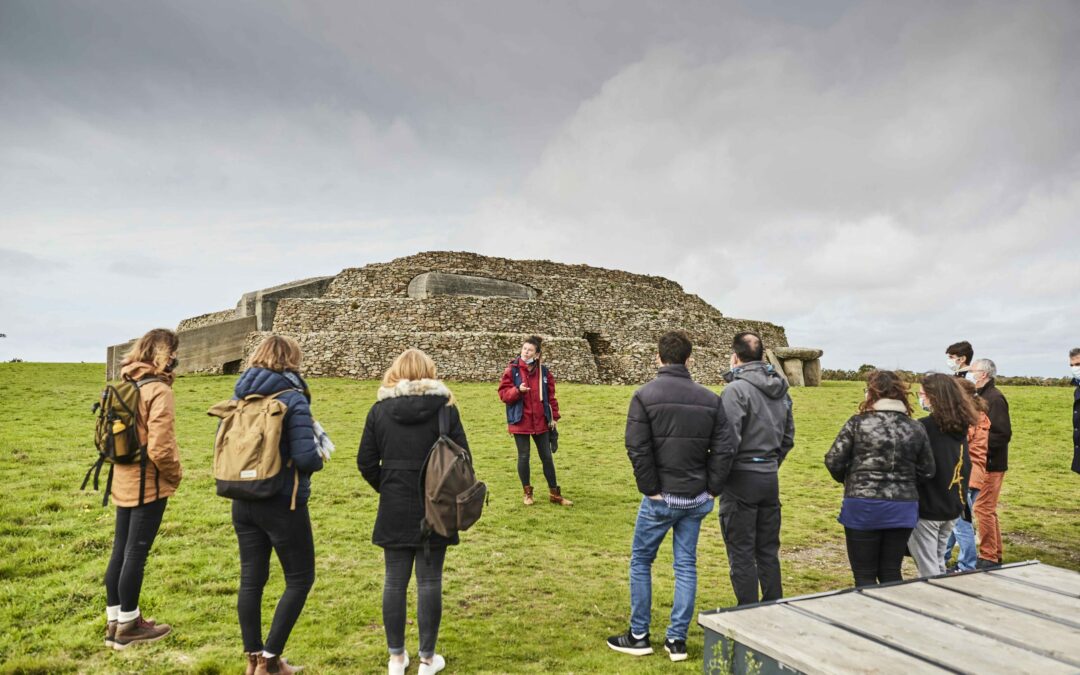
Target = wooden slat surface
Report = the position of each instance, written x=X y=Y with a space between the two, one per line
x=945 y=643
x=1053 y=578
x=1056 y=639
x=1050 y=604
x=810 y=645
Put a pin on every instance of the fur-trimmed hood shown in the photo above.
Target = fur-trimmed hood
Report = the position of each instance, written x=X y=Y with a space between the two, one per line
x=414 y=401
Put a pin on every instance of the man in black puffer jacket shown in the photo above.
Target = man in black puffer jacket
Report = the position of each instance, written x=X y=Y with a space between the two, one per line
x=679 y=444
x=758 y=407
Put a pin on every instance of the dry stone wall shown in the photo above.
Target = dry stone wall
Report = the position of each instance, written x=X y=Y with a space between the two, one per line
x=207 y=319
x=600 y=325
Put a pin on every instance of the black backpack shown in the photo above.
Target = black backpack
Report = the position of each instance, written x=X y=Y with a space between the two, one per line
x=116 y=434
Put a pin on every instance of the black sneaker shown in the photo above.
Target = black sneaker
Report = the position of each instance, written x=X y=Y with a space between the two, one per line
x=628 y=644
x=984 y=564
x=676 y=649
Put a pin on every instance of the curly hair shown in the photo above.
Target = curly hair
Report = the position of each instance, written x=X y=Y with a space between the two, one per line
x=885 y=384
x=950 y=407
x=155 y=348
x=969 y=388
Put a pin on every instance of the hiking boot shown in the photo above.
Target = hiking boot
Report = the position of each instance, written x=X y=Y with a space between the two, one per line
x=437 y=664
x=528 y=495
x=628 y=644
x=110 y=633
x=139 y=630
x=275 y=665
x=676 y=649
x=984 y=564
x=556 y=497
x=252 y=662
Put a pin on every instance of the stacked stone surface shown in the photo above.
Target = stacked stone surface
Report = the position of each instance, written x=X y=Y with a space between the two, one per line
x=471 y=313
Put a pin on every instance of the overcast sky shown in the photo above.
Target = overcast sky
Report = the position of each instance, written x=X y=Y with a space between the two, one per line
x=882 y=179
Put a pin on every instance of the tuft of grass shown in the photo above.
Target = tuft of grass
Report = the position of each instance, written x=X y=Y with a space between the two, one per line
x=529 y=590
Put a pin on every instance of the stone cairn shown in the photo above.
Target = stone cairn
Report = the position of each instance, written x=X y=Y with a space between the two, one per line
x=471 y=313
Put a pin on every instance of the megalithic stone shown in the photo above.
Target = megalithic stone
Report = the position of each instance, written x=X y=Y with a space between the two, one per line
x=812 y=373
x=793 y=368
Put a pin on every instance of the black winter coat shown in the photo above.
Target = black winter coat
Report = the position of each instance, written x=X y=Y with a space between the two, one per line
x=677 y=436
x=997 y=453
x=942 y=497
x=1076 y=430
x=401 y=428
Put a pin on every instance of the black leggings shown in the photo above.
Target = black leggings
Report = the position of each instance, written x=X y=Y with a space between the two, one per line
x=261 y=526
x=875 y=555
x=399 y=566
x=543 y=449
x=136 y=528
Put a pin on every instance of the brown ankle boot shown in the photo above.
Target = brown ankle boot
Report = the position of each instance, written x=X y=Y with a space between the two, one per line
x=110 y=633
x=252 y=662
x=556 y=497
x=528 y=496
x=275 y=665
x=139 y=630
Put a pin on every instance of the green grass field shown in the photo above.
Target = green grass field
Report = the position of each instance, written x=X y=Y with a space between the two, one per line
x=529 y=589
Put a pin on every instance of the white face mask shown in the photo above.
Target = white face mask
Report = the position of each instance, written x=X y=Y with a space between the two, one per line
x=529 y=362
x=972 y=378
x=1075 y=371
x=924 y=403
x=954 y=365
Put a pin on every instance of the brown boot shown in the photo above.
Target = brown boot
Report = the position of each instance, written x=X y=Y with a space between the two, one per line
x=275 y=665
x=139 y=630
x=252 y=662
x=556 y=497
x=110 y=633
x=528 y=496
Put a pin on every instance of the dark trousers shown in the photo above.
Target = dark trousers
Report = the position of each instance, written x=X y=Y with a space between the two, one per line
x=750 y=523
x=875 y=555
x=262 y=526
x=399 y=567
x=136 y=529
x=543 y=449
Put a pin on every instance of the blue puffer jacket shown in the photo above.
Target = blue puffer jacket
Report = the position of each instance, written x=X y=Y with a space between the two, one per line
x=298 y=433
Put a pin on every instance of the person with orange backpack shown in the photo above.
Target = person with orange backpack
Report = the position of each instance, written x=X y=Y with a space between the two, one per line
x=141 y=489
x=401 y=429
x=277 y=521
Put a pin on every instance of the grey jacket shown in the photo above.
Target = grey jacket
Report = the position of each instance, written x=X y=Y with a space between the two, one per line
x=677 y=436
x=758 y=410
x=881 y=455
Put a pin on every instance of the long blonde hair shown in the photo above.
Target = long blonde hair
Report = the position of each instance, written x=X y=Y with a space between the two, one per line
x=277 y=353
x=411 y=364
x=155 y=348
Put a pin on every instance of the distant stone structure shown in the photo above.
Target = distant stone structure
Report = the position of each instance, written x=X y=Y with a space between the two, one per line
x=470 y=313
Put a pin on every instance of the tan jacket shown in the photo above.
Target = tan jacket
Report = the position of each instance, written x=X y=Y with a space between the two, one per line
x=978 y=441
x=157 y=418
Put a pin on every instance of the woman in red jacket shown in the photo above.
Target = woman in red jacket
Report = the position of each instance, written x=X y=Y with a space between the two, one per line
x=528 y=390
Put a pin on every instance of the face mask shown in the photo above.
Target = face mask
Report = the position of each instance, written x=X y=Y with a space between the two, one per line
x=529 y=362
x=171 y=365
x=1076 y=372
x=972 y=378
x=924 y=403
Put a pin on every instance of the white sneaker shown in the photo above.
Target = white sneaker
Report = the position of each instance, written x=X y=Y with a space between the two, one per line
x=396 y=667
x=437 y=664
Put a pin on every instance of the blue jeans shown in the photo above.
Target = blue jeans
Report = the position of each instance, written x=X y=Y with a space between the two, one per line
x=654 y=519
x=963 y=534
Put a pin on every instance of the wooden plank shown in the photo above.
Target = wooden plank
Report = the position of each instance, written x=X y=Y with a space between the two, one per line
x=943 y=642
x=809 y=645
x=1050 y=577
x=1062 y=608
x=1054 y=639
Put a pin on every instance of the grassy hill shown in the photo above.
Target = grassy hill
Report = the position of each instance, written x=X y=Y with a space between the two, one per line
x=529 y=590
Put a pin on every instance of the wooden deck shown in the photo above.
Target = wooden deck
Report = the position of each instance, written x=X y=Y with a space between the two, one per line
x=1020 y=618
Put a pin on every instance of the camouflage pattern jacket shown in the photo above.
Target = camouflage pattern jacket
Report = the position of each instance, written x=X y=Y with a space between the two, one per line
x=881 y=454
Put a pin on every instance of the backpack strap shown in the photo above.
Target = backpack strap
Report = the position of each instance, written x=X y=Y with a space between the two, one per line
x=444 y=420
x=108 y=487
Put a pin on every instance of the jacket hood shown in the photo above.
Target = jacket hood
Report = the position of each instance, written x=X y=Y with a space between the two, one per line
x=763 y=377
x=265 y=382
x=138 y=370
x=414 y=401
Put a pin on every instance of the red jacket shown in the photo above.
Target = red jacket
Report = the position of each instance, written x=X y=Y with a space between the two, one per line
x=532 y=419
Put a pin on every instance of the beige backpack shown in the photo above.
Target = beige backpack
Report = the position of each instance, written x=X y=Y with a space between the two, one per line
x=247 y=455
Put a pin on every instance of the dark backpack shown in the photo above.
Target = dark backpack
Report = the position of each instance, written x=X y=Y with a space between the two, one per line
x=453 y=497
x=116 y=434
